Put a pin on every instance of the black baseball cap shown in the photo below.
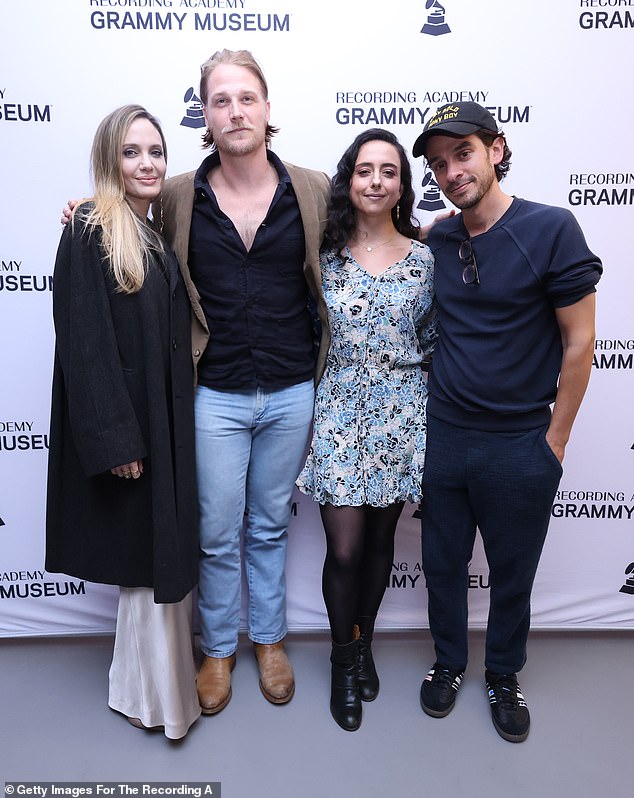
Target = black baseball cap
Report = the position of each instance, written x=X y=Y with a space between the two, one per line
x=460 y=118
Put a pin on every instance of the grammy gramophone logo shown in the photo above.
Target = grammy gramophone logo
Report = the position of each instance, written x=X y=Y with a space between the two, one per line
x=435 y=25
x=193 y=117
x=628 y=586
x=432 y=198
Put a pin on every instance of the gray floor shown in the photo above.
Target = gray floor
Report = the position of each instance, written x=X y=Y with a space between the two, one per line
x=580 y=687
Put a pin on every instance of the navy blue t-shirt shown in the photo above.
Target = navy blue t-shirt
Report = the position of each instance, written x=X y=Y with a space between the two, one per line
x=498 y=357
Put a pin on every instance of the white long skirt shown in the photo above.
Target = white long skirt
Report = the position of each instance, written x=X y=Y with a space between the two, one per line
x=152 y=676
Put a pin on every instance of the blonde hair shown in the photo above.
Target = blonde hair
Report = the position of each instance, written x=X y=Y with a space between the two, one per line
x=127 y=239
x=241 y=58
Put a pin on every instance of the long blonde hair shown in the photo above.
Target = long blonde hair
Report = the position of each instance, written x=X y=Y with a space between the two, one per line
x=127 y=239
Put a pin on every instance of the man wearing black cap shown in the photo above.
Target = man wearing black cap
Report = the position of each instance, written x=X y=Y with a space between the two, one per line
x=515 y=285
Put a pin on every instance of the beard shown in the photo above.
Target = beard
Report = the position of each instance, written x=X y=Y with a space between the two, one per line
x=479 y=188
x=244 y=145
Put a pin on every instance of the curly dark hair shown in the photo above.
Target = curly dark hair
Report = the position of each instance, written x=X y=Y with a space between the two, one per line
x=341 y=212
x=487 y=138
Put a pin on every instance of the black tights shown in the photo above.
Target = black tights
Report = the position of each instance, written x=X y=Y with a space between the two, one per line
x=359 y=554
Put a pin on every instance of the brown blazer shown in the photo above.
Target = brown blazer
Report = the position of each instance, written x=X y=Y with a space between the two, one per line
x=312 y=190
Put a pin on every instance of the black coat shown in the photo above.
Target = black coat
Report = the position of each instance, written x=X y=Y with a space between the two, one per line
x=122 y=391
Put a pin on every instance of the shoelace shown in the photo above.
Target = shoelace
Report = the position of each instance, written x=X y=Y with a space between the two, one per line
x=444 y=677
x=507 y=693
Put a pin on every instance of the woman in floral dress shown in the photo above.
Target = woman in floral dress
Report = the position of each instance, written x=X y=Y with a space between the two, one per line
x=368 y=447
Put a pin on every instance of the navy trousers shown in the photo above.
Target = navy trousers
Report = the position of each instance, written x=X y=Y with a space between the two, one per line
x=503 y=483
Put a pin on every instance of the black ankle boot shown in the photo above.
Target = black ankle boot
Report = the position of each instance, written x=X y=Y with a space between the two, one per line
x=345 y=702
x=368 y=677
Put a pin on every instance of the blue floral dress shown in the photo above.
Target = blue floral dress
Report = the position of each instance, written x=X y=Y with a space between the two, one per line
x=368 y=443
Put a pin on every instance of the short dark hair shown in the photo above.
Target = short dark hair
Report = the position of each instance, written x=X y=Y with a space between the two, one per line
x=341 y=212
x=487 y=138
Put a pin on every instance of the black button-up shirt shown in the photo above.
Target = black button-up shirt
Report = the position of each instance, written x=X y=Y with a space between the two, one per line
x=255 y=301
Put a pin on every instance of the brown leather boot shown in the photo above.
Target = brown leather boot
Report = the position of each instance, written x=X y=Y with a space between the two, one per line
x=214 y=683
x=276 y=675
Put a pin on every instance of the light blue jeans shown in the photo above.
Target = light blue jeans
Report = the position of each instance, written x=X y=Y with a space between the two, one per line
x=250 y=449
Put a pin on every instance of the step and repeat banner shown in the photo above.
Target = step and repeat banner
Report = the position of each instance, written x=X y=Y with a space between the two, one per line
x=557 y=77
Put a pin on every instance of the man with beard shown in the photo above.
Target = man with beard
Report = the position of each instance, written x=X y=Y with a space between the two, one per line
x=515 y=286
x=246 y=228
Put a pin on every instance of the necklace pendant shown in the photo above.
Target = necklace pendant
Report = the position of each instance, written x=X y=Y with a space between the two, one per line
x=369 y=249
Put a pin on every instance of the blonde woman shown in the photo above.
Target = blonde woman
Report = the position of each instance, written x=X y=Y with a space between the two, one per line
x=122 y=503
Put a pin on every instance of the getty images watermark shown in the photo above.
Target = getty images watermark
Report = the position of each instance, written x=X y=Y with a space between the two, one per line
x=113 y=789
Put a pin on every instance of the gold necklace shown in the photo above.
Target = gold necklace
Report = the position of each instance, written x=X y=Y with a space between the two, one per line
x=371 y=248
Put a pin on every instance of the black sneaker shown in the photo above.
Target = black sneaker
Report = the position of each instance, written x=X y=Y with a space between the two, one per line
x=508 y=708
x=439 y=690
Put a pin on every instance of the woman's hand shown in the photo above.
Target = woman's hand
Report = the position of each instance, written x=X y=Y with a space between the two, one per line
x=131 y=470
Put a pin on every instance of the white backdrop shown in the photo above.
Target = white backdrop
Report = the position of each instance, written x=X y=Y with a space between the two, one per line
x=557 y=76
